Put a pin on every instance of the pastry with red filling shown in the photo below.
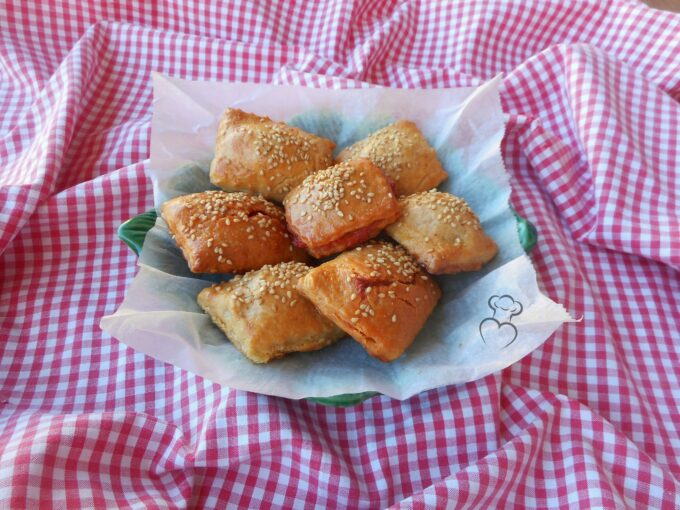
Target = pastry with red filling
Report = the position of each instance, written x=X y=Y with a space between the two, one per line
x=377 y=294
x=340 y=207
x=221 y=232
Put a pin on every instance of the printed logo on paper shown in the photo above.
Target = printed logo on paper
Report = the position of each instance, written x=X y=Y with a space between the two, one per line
x=498 y=330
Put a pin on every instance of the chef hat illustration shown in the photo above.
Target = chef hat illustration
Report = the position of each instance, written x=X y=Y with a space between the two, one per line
x=504 y=307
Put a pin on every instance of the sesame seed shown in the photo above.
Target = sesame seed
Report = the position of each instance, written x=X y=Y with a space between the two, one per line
x=394 y=317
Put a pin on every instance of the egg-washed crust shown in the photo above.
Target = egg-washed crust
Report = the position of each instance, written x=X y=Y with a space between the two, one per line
x=220 y=232
x=340 y=207
x=376 y=293
x=257 y=154
x=264 y=315
x=403 y=153
x=442 y=232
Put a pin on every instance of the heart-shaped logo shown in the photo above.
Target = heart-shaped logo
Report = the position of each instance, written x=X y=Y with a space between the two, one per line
x=497 y=334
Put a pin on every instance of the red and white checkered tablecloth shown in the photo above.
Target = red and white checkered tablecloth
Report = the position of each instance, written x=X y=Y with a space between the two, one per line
x=590 y=419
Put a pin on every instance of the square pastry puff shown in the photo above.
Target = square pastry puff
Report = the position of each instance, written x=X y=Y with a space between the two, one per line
x=403 y=153
x=442 y=233
x=254 y=153
x=220 y=232
x=265 y=317
x=340 y=207
x=376 y=293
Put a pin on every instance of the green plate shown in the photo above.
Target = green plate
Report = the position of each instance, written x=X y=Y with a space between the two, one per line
x=133 y=232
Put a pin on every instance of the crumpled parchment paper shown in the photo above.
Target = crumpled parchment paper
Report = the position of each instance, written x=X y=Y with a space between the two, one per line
x=485 y=320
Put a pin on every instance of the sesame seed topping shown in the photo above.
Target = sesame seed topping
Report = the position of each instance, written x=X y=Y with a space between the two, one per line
x=446 y=208
x=388 y=148
x=277 y=281
x=392 y=260
x=332 y=190
x=394 y=317
x=204 y=210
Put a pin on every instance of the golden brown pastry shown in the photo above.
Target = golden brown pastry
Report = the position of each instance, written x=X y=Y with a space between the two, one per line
x=403 y=153
x=265 y=317
x=376 y=293
x=442 y=233
x=220 y=232
x=254 y=153
x=340 y=207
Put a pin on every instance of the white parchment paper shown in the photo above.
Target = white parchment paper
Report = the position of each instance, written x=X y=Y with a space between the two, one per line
x=485 y=320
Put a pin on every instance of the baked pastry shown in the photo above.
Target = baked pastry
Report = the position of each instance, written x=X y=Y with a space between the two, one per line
x=442 y=233
x=254 y=153
x=220 y=232
x=340 y=207
x=376 y=293
x=403 y=153
x=264 y=315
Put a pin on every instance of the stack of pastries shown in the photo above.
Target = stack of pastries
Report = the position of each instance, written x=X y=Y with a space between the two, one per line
x=286 y=203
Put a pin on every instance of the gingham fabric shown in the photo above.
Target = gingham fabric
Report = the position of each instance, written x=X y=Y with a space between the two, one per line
x=591 y=419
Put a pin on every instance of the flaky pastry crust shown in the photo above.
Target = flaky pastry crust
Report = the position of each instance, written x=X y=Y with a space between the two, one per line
x=404 y=154
x=376 y=293
x=257 y=154
x=443 y=233
x=341 y=207
x=220 y=232
x=264 y=315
